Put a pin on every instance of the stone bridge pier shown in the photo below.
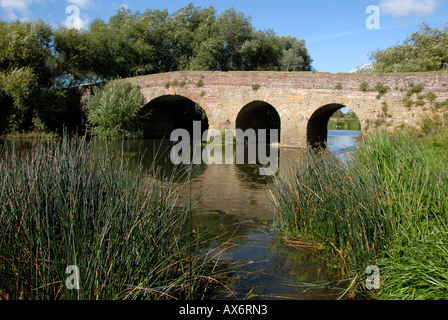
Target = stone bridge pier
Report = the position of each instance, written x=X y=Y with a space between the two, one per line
x=298 y=103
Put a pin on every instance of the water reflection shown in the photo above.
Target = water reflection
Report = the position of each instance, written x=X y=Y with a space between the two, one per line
x=340 y=141
x=234 y=210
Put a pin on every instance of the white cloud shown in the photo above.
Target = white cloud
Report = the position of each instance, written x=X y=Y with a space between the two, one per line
x=334 y=35
x=403 y=8
x=13 y=8
x=17 y=5
x=79 y=22
x=81 y=3
x=366 y=68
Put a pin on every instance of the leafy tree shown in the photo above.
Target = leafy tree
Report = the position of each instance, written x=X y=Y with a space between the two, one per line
x=424 y=50
x=191 y=38
x=75 y=59
x=40 y=66
x=234 y=30
x=26 y=69
x=262 y=52
x=114 y=111
x=295 y=56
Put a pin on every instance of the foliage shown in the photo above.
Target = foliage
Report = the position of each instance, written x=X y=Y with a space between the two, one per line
x=192 y=38
x=424 y=50
x=381 y=89
x=32 y=81
x=37 y=60
x=115 y=111
x=69 y=203
x=295 y=56
x=364 y=87
x=385 y=206
x=25 y=67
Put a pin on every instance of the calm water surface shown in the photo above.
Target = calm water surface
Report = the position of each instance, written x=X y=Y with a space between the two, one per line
x=234 y=209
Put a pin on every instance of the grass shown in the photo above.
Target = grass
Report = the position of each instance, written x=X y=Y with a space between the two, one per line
x=385 y=206
x=64 y=204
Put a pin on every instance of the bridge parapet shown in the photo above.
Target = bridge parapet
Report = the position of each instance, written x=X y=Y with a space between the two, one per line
x=381 y=101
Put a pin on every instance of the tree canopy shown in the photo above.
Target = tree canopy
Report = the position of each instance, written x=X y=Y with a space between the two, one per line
x=424 y=50
x=192 y=38
x=38 y=62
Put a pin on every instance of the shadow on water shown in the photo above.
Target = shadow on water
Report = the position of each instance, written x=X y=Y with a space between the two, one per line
x=235 y=213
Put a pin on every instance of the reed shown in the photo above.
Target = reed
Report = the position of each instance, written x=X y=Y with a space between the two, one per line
x=385 y=205
x=325 y=200
x=64 y=204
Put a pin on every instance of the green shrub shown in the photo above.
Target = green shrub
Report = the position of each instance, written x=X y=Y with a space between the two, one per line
x=338 y=86
x=415 y=89
x=115 y=111
x=381 y=89
x=200 y=83
x=364 y=87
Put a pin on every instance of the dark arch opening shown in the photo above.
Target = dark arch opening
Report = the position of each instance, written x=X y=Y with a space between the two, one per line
x=171 y=112
x=317 y=131
x=259 y=115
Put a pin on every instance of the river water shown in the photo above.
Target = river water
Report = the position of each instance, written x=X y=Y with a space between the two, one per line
x=234 y=211
x=233 y=208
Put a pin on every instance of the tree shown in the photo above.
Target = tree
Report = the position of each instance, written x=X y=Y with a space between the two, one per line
x=115 y=110
x=262 y=52
x=295 y=56
x=40 y=66
x=424 y=50
x=234 y=30
x=27 y=69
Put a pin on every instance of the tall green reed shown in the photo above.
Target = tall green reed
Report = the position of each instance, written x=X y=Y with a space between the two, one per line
x=414 y=184
x=64 y=204
x=384 y=205
x=322 y=199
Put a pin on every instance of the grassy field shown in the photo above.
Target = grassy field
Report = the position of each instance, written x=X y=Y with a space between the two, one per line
x=385 y=206
x=63 y=205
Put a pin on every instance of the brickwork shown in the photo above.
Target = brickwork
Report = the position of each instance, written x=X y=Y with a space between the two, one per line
x=298 y=95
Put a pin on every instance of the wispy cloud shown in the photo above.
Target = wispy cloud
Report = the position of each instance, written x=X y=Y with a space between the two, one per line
x=404 y=8
x=18 y=9
x=75 y=19
x=334 y=35
x=85 y=4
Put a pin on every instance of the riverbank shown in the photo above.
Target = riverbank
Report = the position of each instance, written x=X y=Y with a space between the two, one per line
x=31 y=135
x=383 y=212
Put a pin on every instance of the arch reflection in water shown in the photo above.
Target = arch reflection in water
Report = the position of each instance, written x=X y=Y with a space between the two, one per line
x=233 y=207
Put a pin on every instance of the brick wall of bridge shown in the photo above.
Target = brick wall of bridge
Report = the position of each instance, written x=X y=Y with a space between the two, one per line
x=298 y=95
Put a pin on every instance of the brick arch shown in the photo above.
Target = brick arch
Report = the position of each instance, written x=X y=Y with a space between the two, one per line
x=150 y=97
x=317 y=133
x=253 y=115
x=167 y=114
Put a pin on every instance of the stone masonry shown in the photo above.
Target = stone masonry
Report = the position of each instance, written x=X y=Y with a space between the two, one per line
x=305 y=100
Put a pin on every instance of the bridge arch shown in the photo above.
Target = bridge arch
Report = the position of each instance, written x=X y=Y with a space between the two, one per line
x=169 y=112
x=317 y=127
x=258 y=115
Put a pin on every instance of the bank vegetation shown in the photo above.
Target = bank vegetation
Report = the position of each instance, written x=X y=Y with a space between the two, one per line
x=385 y=205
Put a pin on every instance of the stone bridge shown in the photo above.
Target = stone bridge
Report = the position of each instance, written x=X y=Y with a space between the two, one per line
x=303 y=101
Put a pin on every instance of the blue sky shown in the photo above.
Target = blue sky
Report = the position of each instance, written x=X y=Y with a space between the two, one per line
x=335 y=31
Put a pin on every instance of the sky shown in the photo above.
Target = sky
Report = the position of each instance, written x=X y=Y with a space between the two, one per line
x=339 y=35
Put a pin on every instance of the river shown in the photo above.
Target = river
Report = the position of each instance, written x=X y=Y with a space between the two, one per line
x=233 y=207
x=232 y=202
